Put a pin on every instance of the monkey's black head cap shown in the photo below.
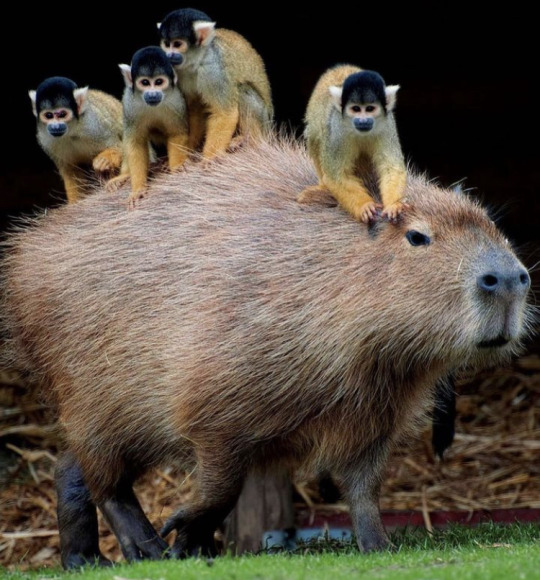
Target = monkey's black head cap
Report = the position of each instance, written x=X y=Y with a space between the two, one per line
x=56 y=92
x=179 y=24
x=364 y=87
x=151 y=61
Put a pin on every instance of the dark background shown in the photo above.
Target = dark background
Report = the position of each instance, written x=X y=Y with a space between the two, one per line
x=466 y=109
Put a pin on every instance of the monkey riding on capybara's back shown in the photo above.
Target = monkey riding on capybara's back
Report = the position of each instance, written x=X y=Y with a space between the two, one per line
x=251 y=330
x=77 y=128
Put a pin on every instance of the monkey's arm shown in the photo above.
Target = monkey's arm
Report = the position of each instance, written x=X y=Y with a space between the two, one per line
x=353 y=196
x=108 y=160
x=392 y=181
x=220 y=129
x=137 y=160
x=197 y=123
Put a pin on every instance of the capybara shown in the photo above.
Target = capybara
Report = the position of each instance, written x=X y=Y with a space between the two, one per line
x=224 y=325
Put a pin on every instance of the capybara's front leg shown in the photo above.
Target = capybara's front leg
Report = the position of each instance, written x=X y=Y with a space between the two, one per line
x=219 y=483
x=137 y=538
x=77 y=516
x=361 y=484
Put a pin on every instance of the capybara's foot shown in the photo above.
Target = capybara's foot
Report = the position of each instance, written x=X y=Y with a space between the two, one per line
x=373 y=542
x=78 y=560
x=194 y=537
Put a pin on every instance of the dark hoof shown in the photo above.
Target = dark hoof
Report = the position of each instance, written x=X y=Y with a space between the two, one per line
x=145 y=549
x=375 y=545
x=74 y=561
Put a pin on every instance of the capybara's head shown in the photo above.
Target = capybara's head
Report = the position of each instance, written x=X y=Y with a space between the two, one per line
x=445 y=271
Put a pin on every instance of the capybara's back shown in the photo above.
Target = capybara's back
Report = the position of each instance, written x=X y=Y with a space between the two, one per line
x=225 y=324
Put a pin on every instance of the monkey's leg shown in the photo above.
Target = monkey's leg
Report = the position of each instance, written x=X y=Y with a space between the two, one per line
x=219 y=482
x=197 y=124
x=72 y=178
x=136 y=535
x=177 y=150
x=108 y=160
x=77 y=516
x=219 y=132
x=392 y=185
x=361 y=485
x=353 y=197
x=254 y=119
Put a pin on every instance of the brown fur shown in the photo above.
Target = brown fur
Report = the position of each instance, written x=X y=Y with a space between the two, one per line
x=238 y=327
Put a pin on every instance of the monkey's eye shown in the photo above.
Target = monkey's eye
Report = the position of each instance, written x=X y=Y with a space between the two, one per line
x=356 y=108
x=158 y=82
x=370 y=108
x=49 y=115
x=145 y=82
x=166 y=43
x=61 y=114
x=417 y=238
x=177 y=44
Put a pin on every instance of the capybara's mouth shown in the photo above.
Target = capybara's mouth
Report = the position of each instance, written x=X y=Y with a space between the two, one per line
x=494 y=342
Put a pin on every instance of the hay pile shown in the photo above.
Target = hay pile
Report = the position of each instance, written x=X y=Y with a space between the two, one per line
x=493 y=463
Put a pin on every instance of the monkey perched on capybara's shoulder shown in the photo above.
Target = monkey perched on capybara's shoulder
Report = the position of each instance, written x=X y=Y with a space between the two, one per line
x=239 y=328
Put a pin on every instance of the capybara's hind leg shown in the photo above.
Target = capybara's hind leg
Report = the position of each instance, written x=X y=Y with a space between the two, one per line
x=361 y=483
x=218 y=486
x=136 y=535
x=77 y=516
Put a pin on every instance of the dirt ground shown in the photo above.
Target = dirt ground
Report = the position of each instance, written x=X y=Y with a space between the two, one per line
x=493 y=463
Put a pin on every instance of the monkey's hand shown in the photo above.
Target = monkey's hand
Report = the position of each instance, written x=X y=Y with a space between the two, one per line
x=316 y=195
x=237 y=143
x=393 y=210
x=116 y=183
x=366 y=212
x=108 y=160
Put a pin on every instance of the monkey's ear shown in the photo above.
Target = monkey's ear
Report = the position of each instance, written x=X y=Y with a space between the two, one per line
x=336 y=93
x=391 y=96
x=204 y=32
x=158 y=24
x=80 y=96
x=126 y=73
x=32 y=95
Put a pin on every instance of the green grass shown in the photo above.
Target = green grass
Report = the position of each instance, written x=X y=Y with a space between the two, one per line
x=489 y=551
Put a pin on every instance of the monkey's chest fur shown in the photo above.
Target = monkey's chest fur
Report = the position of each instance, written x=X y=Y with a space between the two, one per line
x=364 y=169
x=74 y=148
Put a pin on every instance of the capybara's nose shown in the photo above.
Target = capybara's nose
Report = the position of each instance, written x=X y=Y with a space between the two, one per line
x=511 y=282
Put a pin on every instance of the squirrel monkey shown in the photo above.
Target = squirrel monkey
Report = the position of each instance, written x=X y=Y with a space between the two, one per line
x=222 y=77
x=352 y=138
x=154 y=114
x=77 y=127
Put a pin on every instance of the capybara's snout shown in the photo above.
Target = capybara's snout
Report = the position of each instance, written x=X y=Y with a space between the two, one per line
x=501 y=276
x=505 y=283
x=502 y=284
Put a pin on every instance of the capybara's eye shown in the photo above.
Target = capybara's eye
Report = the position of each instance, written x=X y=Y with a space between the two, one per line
x=417 y=238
